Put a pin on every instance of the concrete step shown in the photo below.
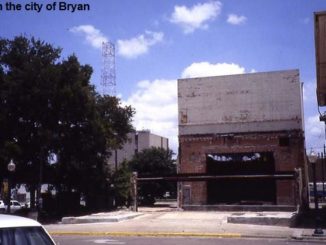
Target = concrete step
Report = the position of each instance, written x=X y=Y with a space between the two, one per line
x=287 y=219
x=244 y=208
x=100 y=218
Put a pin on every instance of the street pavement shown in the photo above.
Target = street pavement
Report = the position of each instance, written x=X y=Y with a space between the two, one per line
x=171 y=222
x=78 y=240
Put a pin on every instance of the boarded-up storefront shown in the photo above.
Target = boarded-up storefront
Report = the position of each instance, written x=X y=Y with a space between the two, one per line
x=244 y=125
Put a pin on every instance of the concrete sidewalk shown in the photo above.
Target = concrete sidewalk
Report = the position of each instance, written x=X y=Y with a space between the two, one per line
x=170 y=222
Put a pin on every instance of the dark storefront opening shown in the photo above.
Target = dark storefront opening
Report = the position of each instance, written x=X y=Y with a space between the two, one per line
x=241 y=191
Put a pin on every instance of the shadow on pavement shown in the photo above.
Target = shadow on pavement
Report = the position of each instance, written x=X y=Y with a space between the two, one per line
x=308 y=219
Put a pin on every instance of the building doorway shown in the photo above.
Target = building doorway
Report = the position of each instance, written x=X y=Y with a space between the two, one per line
x=186 y=195
x=241 y=191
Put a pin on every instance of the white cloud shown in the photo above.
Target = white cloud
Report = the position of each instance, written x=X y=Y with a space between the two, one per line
x=197 y=16
x=139 y=45
x=314 y=129
x=314 y=126
x=206 y=69
x=156 y=104
x=93 y=36
x=156 y=108
x=315 y=132
x=309 y=92
x=234 y=19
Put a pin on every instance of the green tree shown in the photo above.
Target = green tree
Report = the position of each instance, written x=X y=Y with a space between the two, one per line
x=28 y=71
x=121 y=182
x=154 y=162
x=49 y=108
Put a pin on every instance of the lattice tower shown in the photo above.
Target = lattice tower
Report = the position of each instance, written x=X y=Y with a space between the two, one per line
x=108 y=77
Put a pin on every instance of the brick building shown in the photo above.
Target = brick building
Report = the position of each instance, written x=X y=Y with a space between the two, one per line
x=249 y=124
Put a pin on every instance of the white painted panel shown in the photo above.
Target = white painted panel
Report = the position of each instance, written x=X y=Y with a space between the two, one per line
x=240 y=100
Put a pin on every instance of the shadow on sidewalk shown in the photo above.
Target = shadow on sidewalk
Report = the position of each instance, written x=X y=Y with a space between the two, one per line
x=159 y=206
x=308 y=219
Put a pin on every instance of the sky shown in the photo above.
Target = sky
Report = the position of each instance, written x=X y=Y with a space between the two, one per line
x=158 y=42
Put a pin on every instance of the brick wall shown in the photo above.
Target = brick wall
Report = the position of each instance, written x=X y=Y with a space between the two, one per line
x=287 y=148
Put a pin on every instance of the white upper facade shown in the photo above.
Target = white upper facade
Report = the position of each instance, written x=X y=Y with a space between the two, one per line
x=137 y=141
x=255 y=102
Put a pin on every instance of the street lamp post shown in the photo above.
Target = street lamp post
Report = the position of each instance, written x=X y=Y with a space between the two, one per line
x=113 y=195
x=11 y=168
x=116 y=159
x=312 y=157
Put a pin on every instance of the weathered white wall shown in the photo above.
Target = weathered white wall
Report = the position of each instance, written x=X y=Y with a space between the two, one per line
x=148 y=140
x=145 y=140
x=255 y=102
x=126 y=153
x=158 y=141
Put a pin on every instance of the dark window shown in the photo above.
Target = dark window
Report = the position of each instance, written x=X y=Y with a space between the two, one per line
x=241 y=190
x=284 y=141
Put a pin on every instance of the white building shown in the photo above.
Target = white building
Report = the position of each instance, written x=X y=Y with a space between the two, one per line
x=137 y=141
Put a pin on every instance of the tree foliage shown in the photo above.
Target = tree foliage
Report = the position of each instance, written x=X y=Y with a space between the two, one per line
x=154 y=162
x=121 y=182
x=48 y=107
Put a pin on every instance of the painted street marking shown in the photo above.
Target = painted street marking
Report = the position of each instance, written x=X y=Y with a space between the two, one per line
x=107 y=241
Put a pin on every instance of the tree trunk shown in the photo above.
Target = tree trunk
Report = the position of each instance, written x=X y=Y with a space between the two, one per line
x=32 y=196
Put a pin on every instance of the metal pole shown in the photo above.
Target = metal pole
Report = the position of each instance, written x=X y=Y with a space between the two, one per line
x=39 y=197
x=39 y=201
x=299 y=186
x=315 y=184
x=134 y=191
x=318 y=231
x=11 y=168
x=323 y=172
x=208 y=177
x=115 y=159
x=9 y=194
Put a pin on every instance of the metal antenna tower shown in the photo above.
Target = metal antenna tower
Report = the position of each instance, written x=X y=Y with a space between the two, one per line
x=108 y=69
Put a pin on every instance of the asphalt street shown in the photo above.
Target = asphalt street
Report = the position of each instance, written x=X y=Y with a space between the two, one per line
x=81 y=240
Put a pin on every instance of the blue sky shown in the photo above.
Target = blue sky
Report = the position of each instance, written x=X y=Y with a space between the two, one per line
x=160 y=41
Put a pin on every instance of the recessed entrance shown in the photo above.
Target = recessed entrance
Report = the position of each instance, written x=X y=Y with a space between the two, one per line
x=244 y=190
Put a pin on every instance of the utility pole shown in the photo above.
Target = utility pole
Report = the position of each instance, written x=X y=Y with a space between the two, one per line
x=134 y=194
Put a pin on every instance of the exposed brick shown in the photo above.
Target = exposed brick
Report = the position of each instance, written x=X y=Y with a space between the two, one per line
x=194 y=149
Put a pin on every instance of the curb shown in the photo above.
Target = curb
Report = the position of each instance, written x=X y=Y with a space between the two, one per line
x=265 y=237
x=94 y=219
x=312 y=238
x=261 y=220
x=148 y=234
x=184 y=234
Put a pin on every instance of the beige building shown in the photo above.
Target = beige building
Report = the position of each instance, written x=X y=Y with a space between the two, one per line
x=137 y=141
